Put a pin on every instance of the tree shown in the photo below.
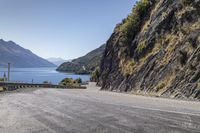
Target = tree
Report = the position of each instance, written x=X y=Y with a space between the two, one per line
x=95 y=76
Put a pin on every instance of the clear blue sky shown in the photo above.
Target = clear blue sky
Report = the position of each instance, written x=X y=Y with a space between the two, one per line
x=61 y=28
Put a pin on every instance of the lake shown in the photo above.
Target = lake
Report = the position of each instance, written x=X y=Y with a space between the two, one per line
x=38 y=75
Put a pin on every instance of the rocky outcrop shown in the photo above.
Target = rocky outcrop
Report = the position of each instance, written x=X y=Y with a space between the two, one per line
x=161 y=57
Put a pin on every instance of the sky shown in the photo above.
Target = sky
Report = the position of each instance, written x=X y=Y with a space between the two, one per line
x=61 y=28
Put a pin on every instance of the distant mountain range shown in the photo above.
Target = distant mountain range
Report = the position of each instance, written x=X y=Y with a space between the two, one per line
x=85 y=64
x=20 y=57
x=57 y=61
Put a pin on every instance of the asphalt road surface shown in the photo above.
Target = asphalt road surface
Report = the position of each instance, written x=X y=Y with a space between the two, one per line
x=94 y=111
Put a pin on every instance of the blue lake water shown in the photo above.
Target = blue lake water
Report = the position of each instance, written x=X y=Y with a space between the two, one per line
x=38 y=75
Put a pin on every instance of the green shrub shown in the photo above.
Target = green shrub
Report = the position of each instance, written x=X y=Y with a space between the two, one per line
x=70 y=81
x=2 y=79
x=141 y=47
x=193 y=41
x=67 y=81
x=95 y=76
x=132 y=24
x=78 y=81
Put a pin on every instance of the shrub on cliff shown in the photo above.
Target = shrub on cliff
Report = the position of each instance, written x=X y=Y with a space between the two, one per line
x=132 y=24
x=183 y=57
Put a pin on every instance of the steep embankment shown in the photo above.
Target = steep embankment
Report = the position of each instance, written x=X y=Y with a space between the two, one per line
x=84 y=64
x=20 y=57
x=156 y=50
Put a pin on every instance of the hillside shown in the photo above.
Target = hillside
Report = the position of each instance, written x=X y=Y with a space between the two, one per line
x=155 y=51
x=85 y=64
x=20 y=57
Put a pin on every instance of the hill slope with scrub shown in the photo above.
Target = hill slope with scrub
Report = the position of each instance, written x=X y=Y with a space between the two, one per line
x=155 y=51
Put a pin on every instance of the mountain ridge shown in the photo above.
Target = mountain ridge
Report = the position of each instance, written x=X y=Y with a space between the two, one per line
x=19 y=57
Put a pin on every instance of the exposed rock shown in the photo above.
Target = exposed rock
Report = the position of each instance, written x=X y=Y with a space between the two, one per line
x=162 y=57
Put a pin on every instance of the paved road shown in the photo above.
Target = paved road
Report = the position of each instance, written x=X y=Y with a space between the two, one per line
x=93 y=111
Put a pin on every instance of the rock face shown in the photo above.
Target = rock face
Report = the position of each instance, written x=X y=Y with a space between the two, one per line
x=85 y=64
x=20 y=57
x=162 y=54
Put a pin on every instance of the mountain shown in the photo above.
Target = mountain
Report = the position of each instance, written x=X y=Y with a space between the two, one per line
x=56 y=61
x=155 y=51
x=20 y=57
x=84 y=64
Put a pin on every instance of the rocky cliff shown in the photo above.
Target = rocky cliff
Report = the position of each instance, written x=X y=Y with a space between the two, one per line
x=155 y=51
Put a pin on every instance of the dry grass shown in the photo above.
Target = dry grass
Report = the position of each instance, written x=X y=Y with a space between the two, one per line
x=148 y=22
x=141 y=46
x=170 y=42
x=128 y=66
x=155 y=50
x=164 y=84
x=198 y=85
